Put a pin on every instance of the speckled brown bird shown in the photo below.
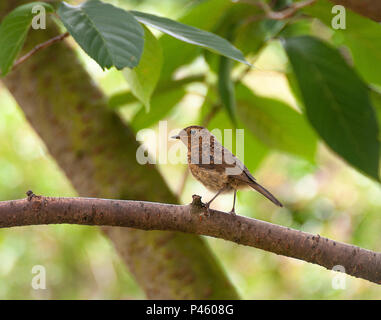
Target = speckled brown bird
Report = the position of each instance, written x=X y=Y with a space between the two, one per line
x=216 y=167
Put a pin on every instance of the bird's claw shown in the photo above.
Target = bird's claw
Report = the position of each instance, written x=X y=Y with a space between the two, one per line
x=232 y=212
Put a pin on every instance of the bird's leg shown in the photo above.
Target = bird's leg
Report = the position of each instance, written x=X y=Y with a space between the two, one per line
x=207 y=205
x=233 y=210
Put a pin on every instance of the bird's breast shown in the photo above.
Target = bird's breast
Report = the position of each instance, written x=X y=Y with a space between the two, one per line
x=211 y=179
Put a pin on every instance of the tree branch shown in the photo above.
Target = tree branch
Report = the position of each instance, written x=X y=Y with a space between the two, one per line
x=40 y=47
x=368 y=8
x=277 y=15
x=36 y=210
x=286 y=13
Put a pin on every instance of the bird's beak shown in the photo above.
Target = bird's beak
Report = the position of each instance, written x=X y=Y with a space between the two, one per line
x=175 y=137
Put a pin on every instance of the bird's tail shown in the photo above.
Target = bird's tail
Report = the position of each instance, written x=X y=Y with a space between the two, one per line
x=265 y=192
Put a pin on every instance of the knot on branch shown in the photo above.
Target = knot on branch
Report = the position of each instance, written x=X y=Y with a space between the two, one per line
x=36 y=200
x=196 y=202
x=30 y=195
x=197 y=205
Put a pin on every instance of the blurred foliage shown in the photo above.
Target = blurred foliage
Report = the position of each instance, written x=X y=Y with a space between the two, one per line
x=80 y=263
x=322 y=194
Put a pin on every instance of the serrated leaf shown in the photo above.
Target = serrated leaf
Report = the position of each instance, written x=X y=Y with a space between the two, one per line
x=143 y=79
x=337 y=102
x=276 y=124
x=13 y=30
x=109 y=35
x=191 y=35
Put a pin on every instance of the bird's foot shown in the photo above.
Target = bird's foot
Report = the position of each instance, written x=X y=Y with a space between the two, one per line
x=232 y=212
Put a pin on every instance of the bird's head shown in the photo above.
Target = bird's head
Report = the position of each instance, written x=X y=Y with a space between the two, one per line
x=187 y=134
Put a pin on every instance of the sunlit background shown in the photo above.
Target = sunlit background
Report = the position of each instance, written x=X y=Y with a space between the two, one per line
x=324 y=196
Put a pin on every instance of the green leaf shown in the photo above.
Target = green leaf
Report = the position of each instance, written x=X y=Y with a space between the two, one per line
x=191 y=35
x=294 y=88
x=161 y=105
x=254 y=150
x=234 y=27
x=226 y=88
x=13 y=31
x=249 y=37
x=337 y=102
x=252 y=36
x=109 y=35
x=297 y=28
x=120 y=99
x=362 y=36
x=143 y=79
x=276 y=124
x=376 y=102
x=205 y=15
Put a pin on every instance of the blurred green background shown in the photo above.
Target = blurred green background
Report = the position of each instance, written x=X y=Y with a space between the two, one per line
x=323 y=196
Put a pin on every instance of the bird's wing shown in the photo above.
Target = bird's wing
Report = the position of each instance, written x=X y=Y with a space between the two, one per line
x=244 y=175
x=219 y=158
x=248 y=174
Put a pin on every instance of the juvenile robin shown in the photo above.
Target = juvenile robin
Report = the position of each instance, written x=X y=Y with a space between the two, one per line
x=216 y=167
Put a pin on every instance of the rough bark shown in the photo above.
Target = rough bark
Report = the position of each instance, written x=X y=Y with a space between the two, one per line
x=368 y=8
x=97 y=153
x=356 y=261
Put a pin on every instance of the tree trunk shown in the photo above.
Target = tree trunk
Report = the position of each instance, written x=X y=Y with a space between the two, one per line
x=97 y=153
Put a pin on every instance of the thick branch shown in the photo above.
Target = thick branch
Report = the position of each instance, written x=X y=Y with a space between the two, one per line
x=35 y=210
